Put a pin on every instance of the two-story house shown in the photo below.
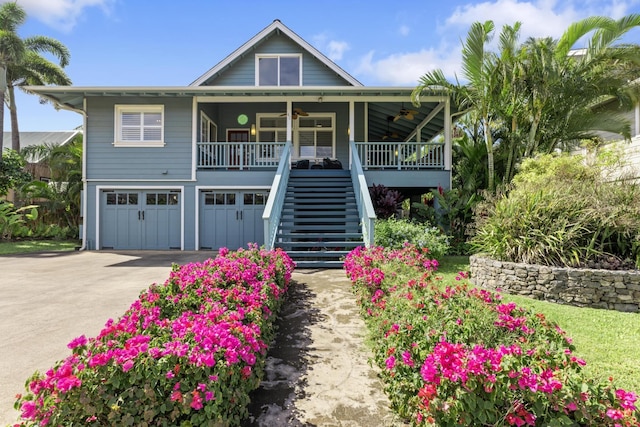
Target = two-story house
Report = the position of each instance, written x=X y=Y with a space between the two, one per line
x=240 y=155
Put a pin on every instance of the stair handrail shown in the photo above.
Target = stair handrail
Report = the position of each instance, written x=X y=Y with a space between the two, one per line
x=273 y=209
x=363 y=198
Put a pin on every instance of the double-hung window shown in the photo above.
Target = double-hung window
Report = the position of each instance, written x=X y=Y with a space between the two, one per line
x=139 y=126
x=278 y=70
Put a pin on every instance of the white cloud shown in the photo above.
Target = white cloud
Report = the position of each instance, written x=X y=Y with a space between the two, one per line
x=61 y=14
x=540 y=18
x=334 y=49
x=337 y=49
x=404 y=69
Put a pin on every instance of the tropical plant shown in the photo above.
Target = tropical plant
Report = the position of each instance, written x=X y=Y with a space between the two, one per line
x=12 y=219
x=480 y=92
x=396 y=233
x=12 y=47
x=544 y=94
x=59 y=199
x=34 y=69
x=386 y=201
x=562 y=211
x=12 y=173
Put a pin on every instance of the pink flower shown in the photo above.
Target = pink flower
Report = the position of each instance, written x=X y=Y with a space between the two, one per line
x=390 y=362
x=176 y=396
x=196 y=401
x=406 y=358
x=77 y=342
x=615 y=414
x=28 y=409
x=127 y=365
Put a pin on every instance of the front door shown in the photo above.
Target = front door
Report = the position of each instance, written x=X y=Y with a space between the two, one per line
x=238 y=147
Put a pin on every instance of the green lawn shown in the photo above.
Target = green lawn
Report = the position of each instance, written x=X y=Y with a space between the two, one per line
x=26 y=246
x=608 y=340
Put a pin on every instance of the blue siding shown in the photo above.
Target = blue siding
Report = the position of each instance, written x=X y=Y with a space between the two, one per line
x=242 y=72
x=104 y=161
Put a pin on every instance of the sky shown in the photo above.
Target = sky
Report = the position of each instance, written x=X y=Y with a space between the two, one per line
x=173 y=42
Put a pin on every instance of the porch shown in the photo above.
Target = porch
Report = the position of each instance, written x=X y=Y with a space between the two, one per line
x=374 y=156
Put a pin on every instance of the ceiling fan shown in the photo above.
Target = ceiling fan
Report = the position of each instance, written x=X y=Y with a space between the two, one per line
x=406 y=113
x=388 y=134
x=296 y=112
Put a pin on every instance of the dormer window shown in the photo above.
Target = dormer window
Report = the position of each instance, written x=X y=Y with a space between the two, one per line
x=278 y=70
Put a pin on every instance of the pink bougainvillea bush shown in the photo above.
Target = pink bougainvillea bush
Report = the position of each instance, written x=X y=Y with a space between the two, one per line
x=458 y=355
x=187 y=352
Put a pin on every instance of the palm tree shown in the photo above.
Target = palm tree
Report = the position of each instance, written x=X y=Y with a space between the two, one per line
x=35 y=70
x=12 y=48
x=540 y=96
x=481 y=90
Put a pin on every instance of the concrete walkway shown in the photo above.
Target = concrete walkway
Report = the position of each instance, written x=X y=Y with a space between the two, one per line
x=317 y=375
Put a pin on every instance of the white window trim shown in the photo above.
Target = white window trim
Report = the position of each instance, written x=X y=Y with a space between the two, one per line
x=123 y=108
x=210 y=123
x=278 y=56
x=297 y=129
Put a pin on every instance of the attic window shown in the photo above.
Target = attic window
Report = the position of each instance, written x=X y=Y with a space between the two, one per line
x=278 y=70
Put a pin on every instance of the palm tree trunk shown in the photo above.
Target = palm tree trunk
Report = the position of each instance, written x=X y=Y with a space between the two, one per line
x=488 y=140
x=13 y=111
x=3 y=87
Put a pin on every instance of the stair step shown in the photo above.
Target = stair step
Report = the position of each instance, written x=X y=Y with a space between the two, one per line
x=317 y=236
x=301 y=265
x=300 y=255
x=319 y=244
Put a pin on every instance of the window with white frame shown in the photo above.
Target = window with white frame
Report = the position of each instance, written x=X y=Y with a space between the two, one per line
x=271 y=128
x=278 y=70
x=316 y=136
x=139 y=125
x=208 y=129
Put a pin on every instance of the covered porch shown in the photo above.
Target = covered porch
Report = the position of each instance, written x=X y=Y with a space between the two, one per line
x=246 y=130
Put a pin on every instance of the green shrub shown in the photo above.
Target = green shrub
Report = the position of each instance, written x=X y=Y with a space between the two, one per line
x=562 y=211
x=458 y=356
x=395 y=233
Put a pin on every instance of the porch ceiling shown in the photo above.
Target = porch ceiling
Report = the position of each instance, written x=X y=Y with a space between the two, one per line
x=384 y=103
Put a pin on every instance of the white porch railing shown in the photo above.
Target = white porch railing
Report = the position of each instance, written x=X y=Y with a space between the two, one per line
x=401 y=155
x=273 y=209
x=239 y=155
x=363 y=198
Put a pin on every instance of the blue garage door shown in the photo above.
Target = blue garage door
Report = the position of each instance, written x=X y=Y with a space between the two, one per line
x=140 y=220
x=231 y=219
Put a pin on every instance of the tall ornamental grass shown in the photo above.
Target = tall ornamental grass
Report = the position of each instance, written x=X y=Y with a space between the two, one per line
x=458 y=355
x=563 y=211
x=186 y=353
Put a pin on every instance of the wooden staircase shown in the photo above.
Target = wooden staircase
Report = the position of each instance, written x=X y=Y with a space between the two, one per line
x=320 y=222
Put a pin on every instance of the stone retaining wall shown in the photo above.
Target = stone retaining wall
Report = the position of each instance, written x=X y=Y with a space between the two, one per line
x=615 y=290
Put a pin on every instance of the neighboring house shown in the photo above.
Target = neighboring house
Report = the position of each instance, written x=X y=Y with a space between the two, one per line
x=207 y=165
x=38 y=169
x=629 y=150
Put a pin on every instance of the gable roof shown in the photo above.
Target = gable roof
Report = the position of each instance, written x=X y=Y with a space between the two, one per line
x=275 y=26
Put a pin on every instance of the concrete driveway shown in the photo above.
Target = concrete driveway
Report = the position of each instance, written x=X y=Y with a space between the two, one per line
x=47 y=299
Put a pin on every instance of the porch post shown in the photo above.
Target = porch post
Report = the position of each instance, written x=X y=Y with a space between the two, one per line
x=289 y=123
x=351 y=130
